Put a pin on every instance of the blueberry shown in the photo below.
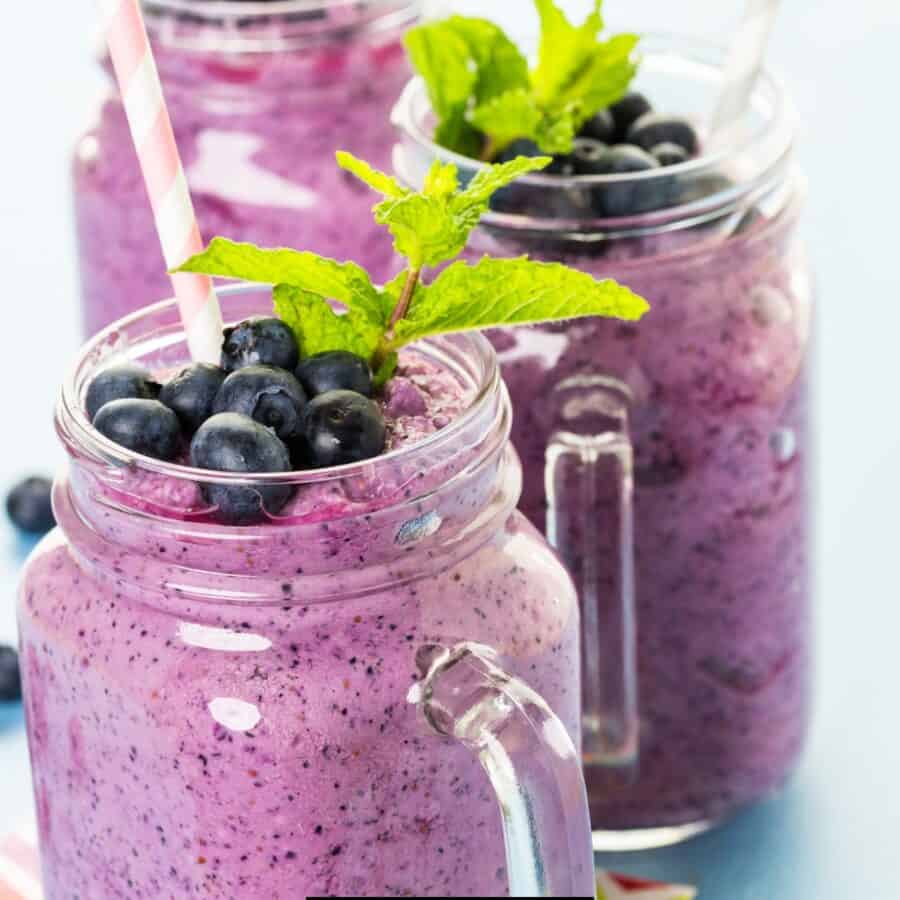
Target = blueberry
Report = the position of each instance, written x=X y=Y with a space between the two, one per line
x=119 y=383
x=260 y=342
x=602 y=127
x=10 y=678
x=144 y=426
x=231 y=442
x=589 y=157
x=342 y=427
x=669 y=154
x=335 y=370
x=525 y=147
x=630 y=197
x=627 y=111
x=271 y=396
x=653 y=129
x=190 y=394
x=28 y=505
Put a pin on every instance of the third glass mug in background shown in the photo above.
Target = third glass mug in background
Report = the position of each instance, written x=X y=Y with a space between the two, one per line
x=261 y=95
x=669 y=459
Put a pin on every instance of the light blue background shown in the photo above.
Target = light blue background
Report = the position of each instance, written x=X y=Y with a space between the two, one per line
x=835 y=834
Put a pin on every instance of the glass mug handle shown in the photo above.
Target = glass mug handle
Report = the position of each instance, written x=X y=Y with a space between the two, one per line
x=530 y=759
x=590 y=523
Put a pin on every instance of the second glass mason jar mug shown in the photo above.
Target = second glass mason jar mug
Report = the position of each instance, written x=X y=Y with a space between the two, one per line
x=669 y=460
x=318 y=705
x=261 y=95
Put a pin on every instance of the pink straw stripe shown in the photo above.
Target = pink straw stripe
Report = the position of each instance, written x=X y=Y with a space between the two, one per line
x=160 y=163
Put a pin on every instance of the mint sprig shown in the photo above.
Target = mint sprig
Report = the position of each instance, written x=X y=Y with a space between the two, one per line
x=334 y=305
x=486 y=97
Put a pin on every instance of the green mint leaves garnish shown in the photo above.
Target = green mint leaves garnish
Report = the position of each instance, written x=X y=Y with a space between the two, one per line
x=486 y=97
x=335 y=306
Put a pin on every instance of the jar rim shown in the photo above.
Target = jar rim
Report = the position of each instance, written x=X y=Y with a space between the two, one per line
x=254 y=26
x=83 y=441
x=771 y=139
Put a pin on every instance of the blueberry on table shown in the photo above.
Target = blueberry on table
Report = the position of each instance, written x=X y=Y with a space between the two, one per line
x=601 y=127
x=260 y=342
x=335 y=370
x=191 y=393
x=119 y=382
x=10 y=677
x=144 y=426
x=627 y=111
x=28 y=505
x=653 y=129
x=273 y=397
x=343 y=427
x=231 y=442
x=669 y=154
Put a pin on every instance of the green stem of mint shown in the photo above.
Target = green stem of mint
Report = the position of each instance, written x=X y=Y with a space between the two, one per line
x=489 y=150
x=400 y=311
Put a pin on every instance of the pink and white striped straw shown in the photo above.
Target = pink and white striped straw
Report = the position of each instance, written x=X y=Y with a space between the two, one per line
x=154 y=141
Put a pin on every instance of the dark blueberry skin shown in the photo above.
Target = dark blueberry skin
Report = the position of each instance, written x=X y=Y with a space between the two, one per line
x=28 y=505
x=653 y=129
x=602 y=127
x=627 y=111
x=342 y=427
x=271 y=396
x=260 y=342
x=629 y=198
x=589 y=157
x=143 y=426
x=335 y=370
x=191 y=393
x=231 y=442
x=669 y=154
x=10 y=678
x=525 y=147
x=119 y=383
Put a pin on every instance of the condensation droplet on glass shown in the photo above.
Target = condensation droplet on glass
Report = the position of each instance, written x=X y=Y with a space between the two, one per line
x=418 y=529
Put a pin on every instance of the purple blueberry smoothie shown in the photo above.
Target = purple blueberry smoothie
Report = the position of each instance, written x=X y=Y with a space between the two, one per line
x=223 y=711
x=259 y=102
x=703 y=671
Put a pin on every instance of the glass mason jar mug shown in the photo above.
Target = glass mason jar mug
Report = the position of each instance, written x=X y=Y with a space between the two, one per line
x=261 y=95
x=317 y=705
x=669 y=459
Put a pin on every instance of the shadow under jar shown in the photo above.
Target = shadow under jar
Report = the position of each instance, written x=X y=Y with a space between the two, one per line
x=261 y=95
x=669 y=460
x=318 y=704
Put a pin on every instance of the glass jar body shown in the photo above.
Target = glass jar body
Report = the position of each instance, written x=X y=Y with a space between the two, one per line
x=257 y=122
x=718 y=376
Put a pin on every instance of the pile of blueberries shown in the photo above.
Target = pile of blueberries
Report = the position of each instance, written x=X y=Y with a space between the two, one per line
x=627 y=138
x=263 y=410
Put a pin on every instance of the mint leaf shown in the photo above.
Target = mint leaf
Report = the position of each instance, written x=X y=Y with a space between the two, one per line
x=346 y=282
x=378 y=181
x=434 y=226
x=564 y=49
x=319 y=327
x=498 y=292
x=486 y=98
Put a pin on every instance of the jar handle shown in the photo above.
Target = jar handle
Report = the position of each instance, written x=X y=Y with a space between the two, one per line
x=529 y=758
x=590 y=523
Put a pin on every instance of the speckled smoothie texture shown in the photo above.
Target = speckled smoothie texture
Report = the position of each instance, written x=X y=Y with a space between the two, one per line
x=719 y=375
x=257 y=133
x=223 y=712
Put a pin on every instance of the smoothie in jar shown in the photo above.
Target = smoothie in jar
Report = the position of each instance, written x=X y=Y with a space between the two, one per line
x=220 y=709
x=260 y=95
x=670 y=460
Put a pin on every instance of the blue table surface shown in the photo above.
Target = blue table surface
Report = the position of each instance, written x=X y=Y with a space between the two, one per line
x=833 y=834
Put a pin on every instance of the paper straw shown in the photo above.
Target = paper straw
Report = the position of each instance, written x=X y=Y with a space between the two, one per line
x=154 y=141
x=745 y=60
